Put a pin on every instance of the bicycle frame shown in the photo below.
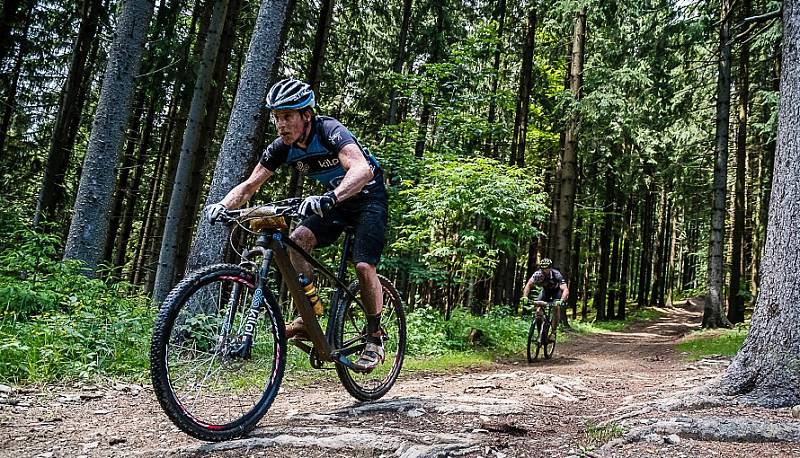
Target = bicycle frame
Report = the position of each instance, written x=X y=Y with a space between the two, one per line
x=272 y=245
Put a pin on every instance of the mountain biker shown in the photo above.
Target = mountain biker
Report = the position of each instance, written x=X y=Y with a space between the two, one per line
x=554 y=287
x=322 y=148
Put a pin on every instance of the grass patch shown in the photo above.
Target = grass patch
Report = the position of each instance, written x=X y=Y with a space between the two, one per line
x=596 y=435
x=708 y=342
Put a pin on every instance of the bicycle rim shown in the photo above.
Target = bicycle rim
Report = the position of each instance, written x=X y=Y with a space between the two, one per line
x=550 y=344
x=206 y=387
x=533 y=340
x=350 y=334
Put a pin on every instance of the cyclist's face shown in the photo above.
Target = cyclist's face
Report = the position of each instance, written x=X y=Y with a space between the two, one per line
x=290 y=124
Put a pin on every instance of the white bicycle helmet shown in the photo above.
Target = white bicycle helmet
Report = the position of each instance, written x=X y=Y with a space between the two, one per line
x=290 y=94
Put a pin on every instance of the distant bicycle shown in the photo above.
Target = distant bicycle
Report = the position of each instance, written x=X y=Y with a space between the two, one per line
x=542 y=334
x=218 y=350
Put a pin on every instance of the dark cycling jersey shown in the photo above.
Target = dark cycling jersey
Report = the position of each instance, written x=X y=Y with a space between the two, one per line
x=320 y=159
x=548 y=282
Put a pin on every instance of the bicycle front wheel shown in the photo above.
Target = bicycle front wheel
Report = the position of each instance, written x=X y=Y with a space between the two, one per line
x=534 y=342
x=211 y=385
x=350 y=334
x=548 y=339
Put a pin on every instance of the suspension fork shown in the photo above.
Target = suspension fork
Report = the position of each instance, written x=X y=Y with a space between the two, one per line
x=256 y=304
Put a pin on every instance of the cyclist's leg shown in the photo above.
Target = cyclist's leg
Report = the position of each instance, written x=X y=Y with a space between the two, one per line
x=312 y=232
x=370 y=237
x=557 y=309
x=540 y=297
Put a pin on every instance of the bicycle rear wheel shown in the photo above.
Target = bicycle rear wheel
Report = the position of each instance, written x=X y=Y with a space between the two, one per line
x=534 y=343
x=204 y=380
x=350 y=331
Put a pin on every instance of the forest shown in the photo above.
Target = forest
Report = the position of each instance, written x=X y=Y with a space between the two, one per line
x=633 y=142
x=509 y=131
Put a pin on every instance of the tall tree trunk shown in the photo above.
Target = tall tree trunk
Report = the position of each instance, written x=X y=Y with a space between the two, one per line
x=87 y=232
x=11 y=83
x=499 y=15
x=736 y=300
x=627 y=242
x=712 y=314
x=165 y=275
x=646 y=255
x=519 y=136
x=52 y=193
x=9 y=16
x=399 y=59
x=320 y=43
x=568 y=182
x=437 y=51
x=132 y=197
x=243 y=128
x=605 y=248
x=656 y=298
x=128 y=159
x=765 y=369
x=575 y=267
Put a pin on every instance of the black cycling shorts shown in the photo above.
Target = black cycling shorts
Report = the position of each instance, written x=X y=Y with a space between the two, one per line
x=368 y=214
x=549 y=295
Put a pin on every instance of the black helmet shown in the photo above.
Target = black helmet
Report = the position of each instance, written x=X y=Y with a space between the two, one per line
x=290 y=94
x=544 y=263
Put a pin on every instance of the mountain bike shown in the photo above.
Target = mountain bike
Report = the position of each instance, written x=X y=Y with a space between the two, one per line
x=542 y=334
x=218 y=350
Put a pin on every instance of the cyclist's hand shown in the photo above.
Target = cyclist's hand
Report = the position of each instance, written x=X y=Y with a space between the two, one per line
x=524 y=302
x=212 y=212
x=318 y=205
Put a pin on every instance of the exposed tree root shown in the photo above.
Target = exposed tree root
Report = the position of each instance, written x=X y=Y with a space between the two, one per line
x=401 y=443
x=726 y=429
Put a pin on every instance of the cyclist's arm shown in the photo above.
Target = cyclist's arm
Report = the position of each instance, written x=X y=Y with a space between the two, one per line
x=564 y=292
x=357 y=172
x=245 y=190
x=527 y=289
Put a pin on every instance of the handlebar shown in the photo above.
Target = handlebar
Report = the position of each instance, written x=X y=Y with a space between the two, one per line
x=543 y=303
x=285 y=207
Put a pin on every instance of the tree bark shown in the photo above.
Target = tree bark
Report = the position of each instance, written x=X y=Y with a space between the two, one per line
x=765 y=371
x=627 y=242
x=242 y=133
x=735 y=299
x=520 y=133
x=712 y=314
x=11 y=83
x=399 y=59
x=165 y=275
x=87 y=233
x=566 y=201
x=52 y=193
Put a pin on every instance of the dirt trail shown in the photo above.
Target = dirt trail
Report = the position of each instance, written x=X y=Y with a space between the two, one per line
x=510 y=409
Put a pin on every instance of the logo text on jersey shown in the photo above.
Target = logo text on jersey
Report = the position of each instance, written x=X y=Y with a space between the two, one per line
x=328 y=162
x=302 y=168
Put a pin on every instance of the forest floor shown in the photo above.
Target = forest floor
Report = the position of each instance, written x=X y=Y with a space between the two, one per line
x=594 y=398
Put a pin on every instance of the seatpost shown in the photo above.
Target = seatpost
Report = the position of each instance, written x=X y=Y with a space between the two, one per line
x=335 y=297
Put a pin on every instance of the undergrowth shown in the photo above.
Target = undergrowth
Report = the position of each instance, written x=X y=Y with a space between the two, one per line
x=711 y=342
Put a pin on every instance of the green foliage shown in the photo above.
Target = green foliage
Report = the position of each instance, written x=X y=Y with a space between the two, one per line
x=711 y=342
x=598 y=435
x=55 y=323
x=429 y=334
x=443 y=208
